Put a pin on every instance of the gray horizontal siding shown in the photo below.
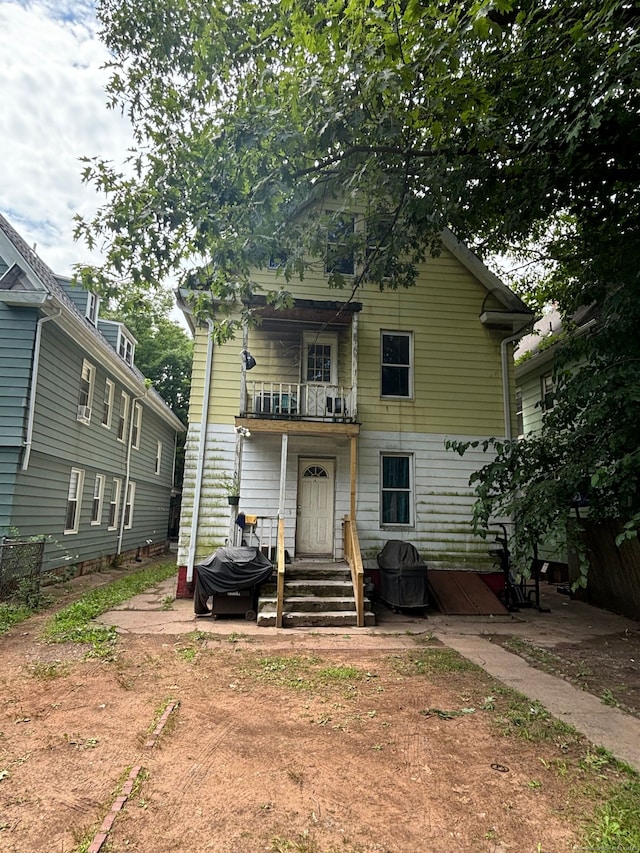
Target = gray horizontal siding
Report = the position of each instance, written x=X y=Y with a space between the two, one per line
x=17 y=336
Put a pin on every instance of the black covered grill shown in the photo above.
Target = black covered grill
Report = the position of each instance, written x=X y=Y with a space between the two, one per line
x=403 y=575
x=232 y=577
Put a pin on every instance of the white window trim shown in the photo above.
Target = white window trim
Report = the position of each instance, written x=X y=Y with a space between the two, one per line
x=158 y=457
x=93 y=307
x=397 y=333
x=116 y=491
x=137 y=426
x=126 y=347
x=123 y=415
x=129 y=504
x=85 y=404
x=547 y=391
x=96 y=518
x=78 y=474
x=309 y=338
x=109 y=397
x=399 y=525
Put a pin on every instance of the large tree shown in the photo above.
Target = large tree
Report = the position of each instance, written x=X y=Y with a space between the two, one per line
x=514 y=123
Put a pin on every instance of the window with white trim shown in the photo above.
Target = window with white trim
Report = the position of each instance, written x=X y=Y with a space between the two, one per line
x=74 y=500
x=123 y=416
x=98 y=497
x=107 y=405
x=85 y=395
x=340 y=248
x=396 y=370
x=126 y=347
x=114 y=503
x=396 y=492
x=128 y=505
x=93 y=304
x=547 y=392
x=519 y=413
x=136 y=427
x=158 y=456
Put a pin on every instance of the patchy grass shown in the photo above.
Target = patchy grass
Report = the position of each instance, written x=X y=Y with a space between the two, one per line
x=74 y=623
x=303 y=672
x=13 y=614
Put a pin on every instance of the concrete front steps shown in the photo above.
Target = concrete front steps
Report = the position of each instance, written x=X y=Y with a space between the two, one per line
x=317 y=594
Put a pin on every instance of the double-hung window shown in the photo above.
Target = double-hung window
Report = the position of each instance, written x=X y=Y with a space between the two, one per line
x=126 y=348
x=124 y=415
x=74 y=501
x=114 y=503
x=85 y=396
x=396 y=493
x=396 y=364
x=340 y=247
x=158 y=457
x=107 y=405
x=547 y=392
x=93 y=304
x=519 y=413
x=98 y=496
x=128 y=505
x=136 y=427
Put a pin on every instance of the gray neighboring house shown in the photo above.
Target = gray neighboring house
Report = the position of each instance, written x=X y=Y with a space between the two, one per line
x=87 y=449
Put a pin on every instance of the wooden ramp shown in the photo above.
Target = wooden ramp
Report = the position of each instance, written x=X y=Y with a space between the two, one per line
x=463 y=594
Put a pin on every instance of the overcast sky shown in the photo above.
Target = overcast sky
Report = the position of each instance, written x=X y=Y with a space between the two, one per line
x=52 y=112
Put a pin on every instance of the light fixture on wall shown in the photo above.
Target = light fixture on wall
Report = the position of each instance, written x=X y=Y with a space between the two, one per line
x=243 y=431
x=249 y=360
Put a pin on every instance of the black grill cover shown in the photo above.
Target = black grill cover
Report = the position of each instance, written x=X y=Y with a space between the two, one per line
x=231 y=569
x=403 y=575
x=397 y=554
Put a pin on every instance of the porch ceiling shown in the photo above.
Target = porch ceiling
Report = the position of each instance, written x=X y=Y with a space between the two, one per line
x=281 y=426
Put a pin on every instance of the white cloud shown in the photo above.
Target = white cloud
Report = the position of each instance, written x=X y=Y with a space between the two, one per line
x=52 y=112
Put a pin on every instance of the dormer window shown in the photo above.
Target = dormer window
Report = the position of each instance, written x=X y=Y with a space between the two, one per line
x=126 y=348
x=93 y=304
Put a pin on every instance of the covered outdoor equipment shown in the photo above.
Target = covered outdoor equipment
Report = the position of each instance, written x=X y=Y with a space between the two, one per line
x=232 y=576
x=403 y=576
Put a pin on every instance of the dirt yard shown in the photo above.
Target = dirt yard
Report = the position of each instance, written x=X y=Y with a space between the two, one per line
x=309 y=748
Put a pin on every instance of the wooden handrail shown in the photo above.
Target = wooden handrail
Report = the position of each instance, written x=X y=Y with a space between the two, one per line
x=354 y=559
x=281 y=565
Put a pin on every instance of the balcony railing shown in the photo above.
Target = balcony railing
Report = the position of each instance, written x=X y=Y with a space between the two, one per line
x=297 y=401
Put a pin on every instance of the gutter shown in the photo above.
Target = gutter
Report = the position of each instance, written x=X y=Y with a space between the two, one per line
x=197 y=493
x=34 y=386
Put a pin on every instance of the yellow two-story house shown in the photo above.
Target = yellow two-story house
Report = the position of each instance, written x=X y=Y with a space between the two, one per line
x=329 y=418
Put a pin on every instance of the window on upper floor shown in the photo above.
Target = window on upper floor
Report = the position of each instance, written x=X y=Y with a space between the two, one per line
x=547 y=392
x=340 y=249
x=158 y=457
x=136 y=427
x=107 y=403
x=85 y=396
x=128 y=505
x=396 y=374
x=519 y=413
x=114 y=503
x=74 y=501
x=123 y=416
x=98 y=496
x=396 y=494
x=320 y=358
x=93 y=305
x=126 y=347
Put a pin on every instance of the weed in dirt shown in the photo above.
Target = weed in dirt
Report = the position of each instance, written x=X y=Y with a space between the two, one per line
x=73 y=623
x=48 y=670
x=303 y=673
x=13 y=614
x=530 y=720
x=435 y=661
x=167 y=602
x=615 y=826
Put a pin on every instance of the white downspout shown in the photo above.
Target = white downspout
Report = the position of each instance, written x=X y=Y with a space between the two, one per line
x=34 y=385
x=127 y=478
x=506 y=396
x=201 y=455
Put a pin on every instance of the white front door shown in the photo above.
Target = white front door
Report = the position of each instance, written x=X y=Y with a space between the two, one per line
x=314 y=528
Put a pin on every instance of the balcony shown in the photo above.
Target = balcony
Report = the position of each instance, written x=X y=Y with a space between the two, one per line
x=297 y=401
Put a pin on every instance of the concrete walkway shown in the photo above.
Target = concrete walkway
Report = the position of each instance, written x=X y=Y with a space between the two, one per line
x=156 y=612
